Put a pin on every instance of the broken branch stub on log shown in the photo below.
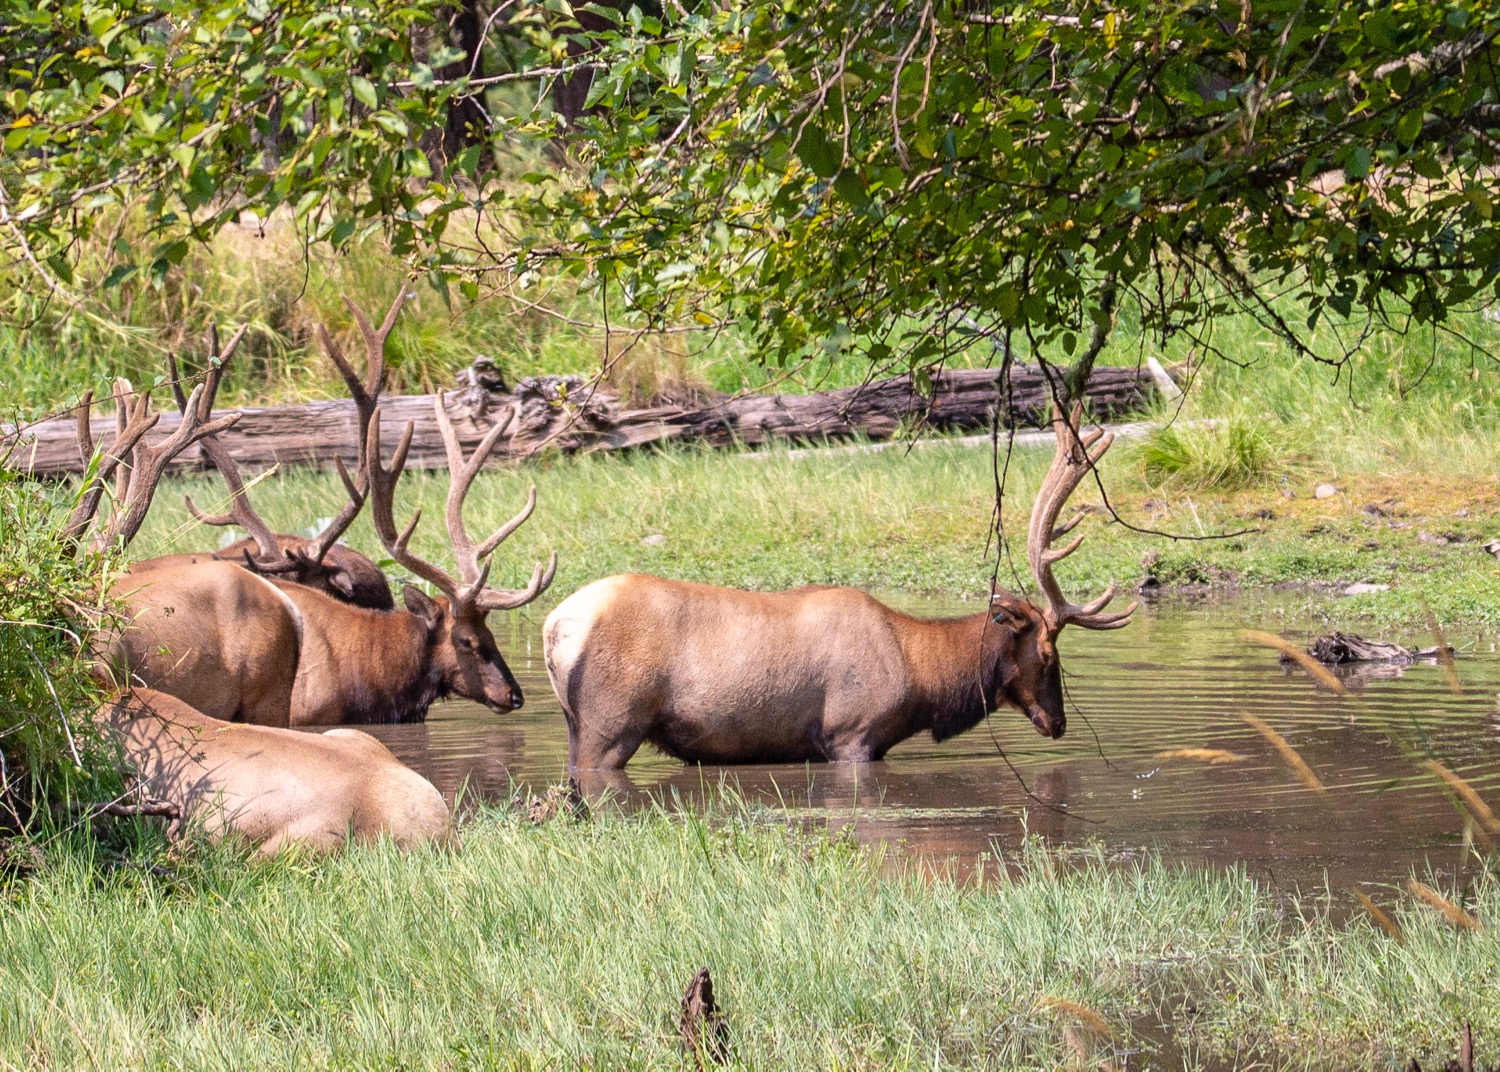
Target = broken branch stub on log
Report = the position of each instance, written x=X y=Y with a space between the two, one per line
x=565 y=413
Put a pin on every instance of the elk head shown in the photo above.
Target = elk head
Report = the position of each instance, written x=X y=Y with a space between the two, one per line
x=461 y=649
x=1031 y=677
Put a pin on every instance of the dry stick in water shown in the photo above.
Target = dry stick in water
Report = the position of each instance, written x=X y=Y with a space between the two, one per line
x=1288 y=753
x=1387 y=924
x=1451 y=912
x=1319 y=672
x=1444 y=653
x=1214 y=756
x=1477 y=807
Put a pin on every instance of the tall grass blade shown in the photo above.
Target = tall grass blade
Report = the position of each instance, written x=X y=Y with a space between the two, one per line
x=1450 y=911
x=1476 y=805
x=1444 y=653
x=1317 y=670
x=1288 y=753
x=1213 y=756
x=1387 y=924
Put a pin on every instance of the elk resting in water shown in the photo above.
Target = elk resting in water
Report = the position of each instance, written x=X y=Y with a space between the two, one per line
x=371 y=666
x=716 y=675
x=272 y=787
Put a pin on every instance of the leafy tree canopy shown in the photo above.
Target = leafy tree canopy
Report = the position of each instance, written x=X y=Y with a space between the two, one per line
x=887 y=177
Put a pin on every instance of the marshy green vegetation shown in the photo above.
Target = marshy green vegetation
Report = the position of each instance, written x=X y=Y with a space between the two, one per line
x=567 y=944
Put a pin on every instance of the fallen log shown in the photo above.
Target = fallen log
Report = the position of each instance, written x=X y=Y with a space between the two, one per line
x=566 y=413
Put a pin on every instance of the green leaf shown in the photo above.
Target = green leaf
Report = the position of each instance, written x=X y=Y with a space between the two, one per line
x=364 y=91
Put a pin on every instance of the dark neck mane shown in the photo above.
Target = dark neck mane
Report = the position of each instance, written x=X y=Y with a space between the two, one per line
x=952 y=666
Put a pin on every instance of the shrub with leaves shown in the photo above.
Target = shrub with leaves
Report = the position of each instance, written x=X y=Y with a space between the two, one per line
x=50 y=752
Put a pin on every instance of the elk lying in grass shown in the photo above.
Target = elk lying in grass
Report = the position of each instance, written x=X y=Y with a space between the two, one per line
x=320 y=562
x=369 y=666
x=716 y=675
x=272 y=787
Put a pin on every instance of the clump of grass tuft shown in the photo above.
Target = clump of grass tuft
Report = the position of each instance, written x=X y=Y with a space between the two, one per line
x=1231 y=454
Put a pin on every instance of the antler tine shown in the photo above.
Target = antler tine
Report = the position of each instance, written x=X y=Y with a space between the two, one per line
x=507 y=599
x=149 y=463
x=319 y=546
x=84 y=513
x=271 y=558
x=381 y=483
x=1077 y=454
x=474 y=562
x=461 y=474
x=375 y=340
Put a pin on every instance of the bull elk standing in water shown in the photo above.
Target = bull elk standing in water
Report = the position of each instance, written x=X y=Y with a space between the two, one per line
x=716 y=675
x=370 y=666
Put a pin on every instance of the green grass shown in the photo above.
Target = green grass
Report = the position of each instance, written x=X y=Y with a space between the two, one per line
x=568 y=945
x=918 y=521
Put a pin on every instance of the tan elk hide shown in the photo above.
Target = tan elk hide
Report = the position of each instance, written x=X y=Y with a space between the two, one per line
x=274 y=788
x=717 y=675
x=220 y=638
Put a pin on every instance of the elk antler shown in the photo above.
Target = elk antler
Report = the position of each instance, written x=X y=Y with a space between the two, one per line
x=132 y=423
x=271 y=558
x=470 y=589
x=1073 y=459
x=366 y=393
x=137 y=482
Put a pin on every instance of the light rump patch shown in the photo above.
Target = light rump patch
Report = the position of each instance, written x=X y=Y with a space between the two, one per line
x=567 y=628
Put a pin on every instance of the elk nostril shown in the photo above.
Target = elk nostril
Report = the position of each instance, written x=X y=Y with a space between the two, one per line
x=516 y=700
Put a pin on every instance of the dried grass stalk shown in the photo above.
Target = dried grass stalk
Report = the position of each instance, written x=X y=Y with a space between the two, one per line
x=1476 y=805
x=1214 y=756
x=1288 y=753
x=1451 y=912
x=1082 y=1013
x=1444 y=653
x=1387 y=924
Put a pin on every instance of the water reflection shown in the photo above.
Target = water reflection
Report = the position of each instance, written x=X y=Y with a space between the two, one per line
x=1178 y=678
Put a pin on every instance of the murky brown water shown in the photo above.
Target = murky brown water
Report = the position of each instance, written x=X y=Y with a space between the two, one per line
x=1179 y=677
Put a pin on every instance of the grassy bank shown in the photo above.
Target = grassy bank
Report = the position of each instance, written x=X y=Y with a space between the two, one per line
x=920 y=521
x=568 y=945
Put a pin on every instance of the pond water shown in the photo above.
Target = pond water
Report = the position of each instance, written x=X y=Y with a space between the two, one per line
x=1179 y=677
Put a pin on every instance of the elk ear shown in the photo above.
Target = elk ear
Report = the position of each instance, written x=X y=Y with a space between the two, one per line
x=340 y=581
x=422 y=605
x=1006 y=609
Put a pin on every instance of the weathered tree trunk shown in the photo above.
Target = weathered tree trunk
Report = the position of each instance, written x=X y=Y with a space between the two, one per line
x=563 y=412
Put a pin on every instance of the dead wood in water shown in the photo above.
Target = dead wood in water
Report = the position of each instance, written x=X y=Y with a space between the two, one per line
x=565 y=413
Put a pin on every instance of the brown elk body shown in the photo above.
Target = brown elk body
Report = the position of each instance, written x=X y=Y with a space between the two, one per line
x=717 y=675
x=218 y=637
x=372 y=666
x=272 y=787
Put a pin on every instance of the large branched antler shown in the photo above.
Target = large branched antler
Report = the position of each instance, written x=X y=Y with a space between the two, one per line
x=131 y=422
x=1077 y=454
x=139 y=476
x=469 y=590
x=269 y=557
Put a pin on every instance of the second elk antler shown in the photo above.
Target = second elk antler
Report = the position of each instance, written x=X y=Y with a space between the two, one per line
x=470 y=590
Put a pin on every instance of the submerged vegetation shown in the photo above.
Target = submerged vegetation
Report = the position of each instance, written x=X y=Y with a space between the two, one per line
x=568 y=944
